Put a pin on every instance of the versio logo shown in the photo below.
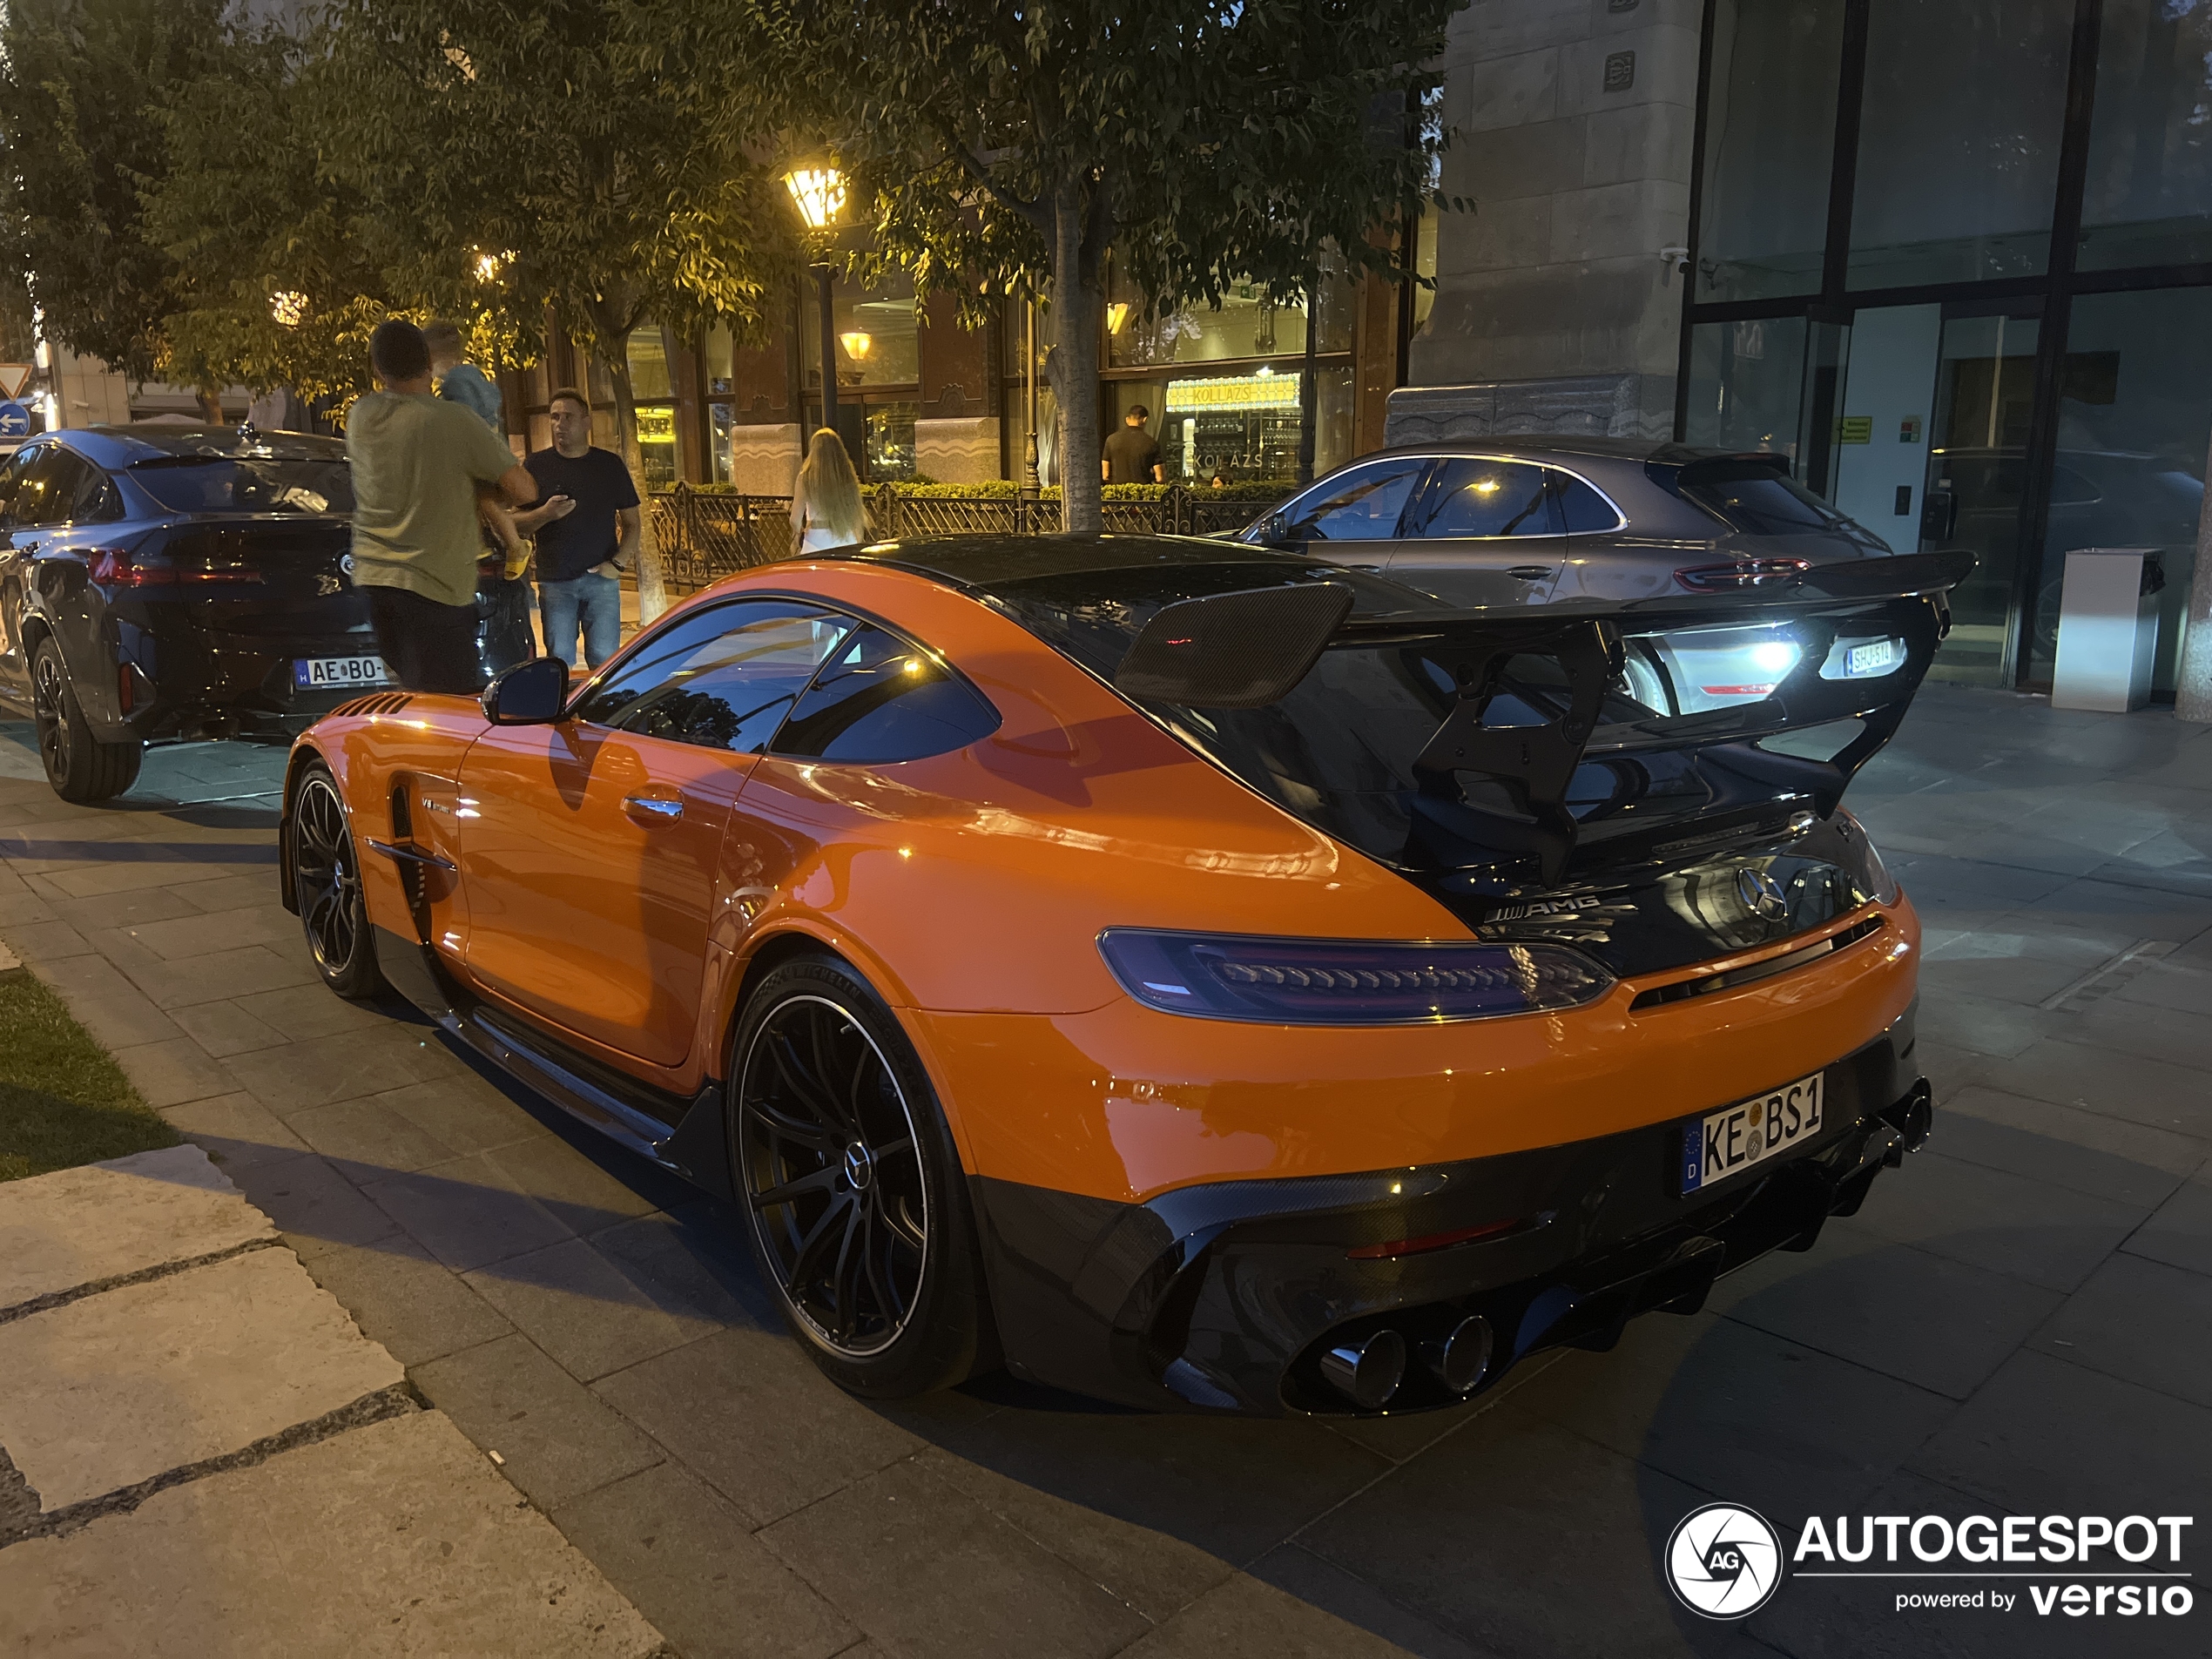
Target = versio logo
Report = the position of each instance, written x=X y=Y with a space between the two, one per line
x=1724 y=1562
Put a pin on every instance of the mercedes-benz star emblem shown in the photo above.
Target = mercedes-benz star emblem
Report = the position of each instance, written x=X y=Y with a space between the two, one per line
x=1762 y=894
x=1724 y=1562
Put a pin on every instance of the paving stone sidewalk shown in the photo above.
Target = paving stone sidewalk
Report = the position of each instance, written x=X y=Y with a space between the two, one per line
x=2020 y=1317
x=200 y=1454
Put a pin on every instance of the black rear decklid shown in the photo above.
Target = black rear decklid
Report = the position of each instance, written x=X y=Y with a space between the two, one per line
x=1503 y=739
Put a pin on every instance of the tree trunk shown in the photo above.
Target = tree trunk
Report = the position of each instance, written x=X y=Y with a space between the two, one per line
x=211 y=404
x=1074 y=362
x=652 y=584
x=2193 y=675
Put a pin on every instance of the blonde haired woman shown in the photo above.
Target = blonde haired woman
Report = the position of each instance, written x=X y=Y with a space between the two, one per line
x=826 y=507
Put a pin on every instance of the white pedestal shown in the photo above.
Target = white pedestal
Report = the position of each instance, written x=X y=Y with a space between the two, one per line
x=2107 y=631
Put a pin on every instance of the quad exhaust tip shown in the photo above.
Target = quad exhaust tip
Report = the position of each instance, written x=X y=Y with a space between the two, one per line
x=1460 y=1358
x=1367 y=1372
x=1912 y=1118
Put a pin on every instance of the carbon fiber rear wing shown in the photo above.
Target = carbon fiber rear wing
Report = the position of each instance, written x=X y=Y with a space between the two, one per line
x=1247 y=650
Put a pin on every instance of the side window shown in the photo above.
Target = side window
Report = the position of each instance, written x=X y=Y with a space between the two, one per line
x=49 y=481
x=1362 y=507
x=1587 y=512
x=1487 y=498
x=723 y=678
x=879 y=700
x=66 y=478
x=96 y=499
x=12 y=473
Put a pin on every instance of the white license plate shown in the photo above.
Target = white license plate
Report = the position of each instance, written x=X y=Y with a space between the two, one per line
x=1865 y=661
x=338 y=673
x=1728 y=1142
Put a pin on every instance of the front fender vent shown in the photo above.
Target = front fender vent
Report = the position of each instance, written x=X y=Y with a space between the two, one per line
x=375 y=703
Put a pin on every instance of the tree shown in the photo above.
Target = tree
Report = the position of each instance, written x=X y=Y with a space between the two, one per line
x=82 y=87
x=541 y=132
x=274 y=283
x=1207 y=144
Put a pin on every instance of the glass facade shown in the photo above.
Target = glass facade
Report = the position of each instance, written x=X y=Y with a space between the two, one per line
x=2000 y=341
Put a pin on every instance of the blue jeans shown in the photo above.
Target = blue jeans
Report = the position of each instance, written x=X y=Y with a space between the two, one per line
x=593 y=602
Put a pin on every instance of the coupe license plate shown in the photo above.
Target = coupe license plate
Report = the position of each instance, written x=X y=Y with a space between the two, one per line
x=1866 y=661
x=338 y=673
x=1731 y=1140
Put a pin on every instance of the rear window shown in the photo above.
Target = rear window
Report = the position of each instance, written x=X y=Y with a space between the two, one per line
x=248 y=484
x=1757 y=500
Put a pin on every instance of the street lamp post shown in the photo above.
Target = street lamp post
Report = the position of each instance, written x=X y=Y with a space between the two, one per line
x=819 y=192
x=1032 y=485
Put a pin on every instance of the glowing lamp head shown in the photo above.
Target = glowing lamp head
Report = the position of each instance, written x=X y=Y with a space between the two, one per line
x=288 y=309
x=857 y=345
x=819 y=192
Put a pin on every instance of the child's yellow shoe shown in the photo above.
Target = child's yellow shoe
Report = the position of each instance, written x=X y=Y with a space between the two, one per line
x=516 y=564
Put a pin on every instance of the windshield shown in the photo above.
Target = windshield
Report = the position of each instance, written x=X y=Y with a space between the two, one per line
x=1758 y=501
x=247 y=484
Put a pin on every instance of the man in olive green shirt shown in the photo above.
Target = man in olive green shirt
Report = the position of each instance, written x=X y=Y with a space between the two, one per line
x=417 y=461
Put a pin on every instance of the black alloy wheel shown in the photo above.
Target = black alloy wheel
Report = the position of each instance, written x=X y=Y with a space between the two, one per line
x=325 y=878
x=858 y=1209
x=81 y=768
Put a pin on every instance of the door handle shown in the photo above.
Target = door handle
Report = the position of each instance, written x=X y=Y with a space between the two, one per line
x=1529 y=572
x=653 y=808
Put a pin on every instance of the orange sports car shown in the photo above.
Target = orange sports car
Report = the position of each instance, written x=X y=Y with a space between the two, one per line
x=1183 y=972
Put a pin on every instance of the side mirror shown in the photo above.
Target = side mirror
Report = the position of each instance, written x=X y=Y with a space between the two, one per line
x=532 y=693
x=1272 y=531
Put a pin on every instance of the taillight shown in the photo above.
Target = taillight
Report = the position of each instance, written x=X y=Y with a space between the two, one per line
x=118 y=567
x=1744 y=573
x=1327 y=981
x=122 y=687
x=1427 y=1242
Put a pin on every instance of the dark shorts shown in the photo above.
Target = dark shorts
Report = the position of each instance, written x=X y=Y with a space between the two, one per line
x=426 y=646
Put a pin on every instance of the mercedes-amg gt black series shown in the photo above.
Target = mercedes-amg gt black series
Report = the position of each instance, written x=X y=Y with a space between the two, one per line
x=173 y=582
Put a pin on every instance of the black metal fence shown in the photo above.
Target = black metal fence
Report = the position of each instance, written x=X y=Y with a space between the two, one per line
x=705 y=534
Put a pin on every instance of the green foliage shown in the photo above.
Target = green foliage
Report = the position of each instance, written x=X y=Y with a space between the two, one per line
x=245 y=213
x=82 y=87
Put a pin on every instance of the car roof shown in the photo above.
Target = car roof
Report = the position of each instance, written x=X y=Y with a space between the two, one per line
x=125 y=446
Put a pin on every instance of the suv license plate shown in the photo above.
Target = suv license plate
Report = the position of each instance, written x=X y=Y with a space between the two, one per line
x=1728 y=1141
x=338 y=673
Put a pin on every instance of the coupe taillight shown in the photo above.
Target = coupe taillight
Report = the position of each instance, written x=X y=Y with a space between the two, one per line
x=1330 y=981
x=1737 y=574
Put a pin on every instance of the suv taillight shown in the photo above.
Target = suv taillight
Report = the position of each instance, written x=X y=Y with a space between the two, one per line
x=1744 y=573
x=116 y=567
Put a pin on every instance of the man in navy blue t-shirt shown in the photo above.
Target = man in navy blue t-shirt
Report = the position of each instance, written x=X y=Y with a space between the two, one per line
x=581 y=556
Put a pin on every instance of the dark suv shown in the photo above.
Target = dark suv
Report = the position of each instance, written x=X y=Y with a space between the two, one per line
x=166 y=581
x=1551 y=520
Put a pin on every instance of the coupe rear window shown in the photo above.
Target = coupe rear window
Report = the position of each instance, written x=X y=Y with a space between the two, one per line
x=1758 y=501
x=248 y=484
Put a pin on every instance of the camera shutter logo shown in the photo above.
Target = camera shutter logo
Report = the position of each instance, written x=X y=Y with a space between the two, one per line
x=1724 y=1562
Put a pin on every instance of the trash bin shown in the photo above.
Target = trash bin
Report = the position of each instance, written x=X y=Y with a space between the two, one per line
x=2108 y=629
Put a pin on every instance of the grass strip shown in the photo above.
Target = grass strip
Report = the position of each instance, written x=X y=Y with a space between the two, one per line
x=63 y=1100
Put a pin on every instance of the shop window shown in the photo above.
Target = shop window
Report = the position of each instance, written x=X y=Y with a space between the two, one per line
x=1243 y=427
x=1771 y=129
x=647 y=349
x=1959 y=140
x=2134 y=423
x=878 y=335
x=720 y=350
x=890 y=429
x=1746 y=384
x=1250 y=322
x=657 y=443
x=2148 y=196
x=721 y=422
